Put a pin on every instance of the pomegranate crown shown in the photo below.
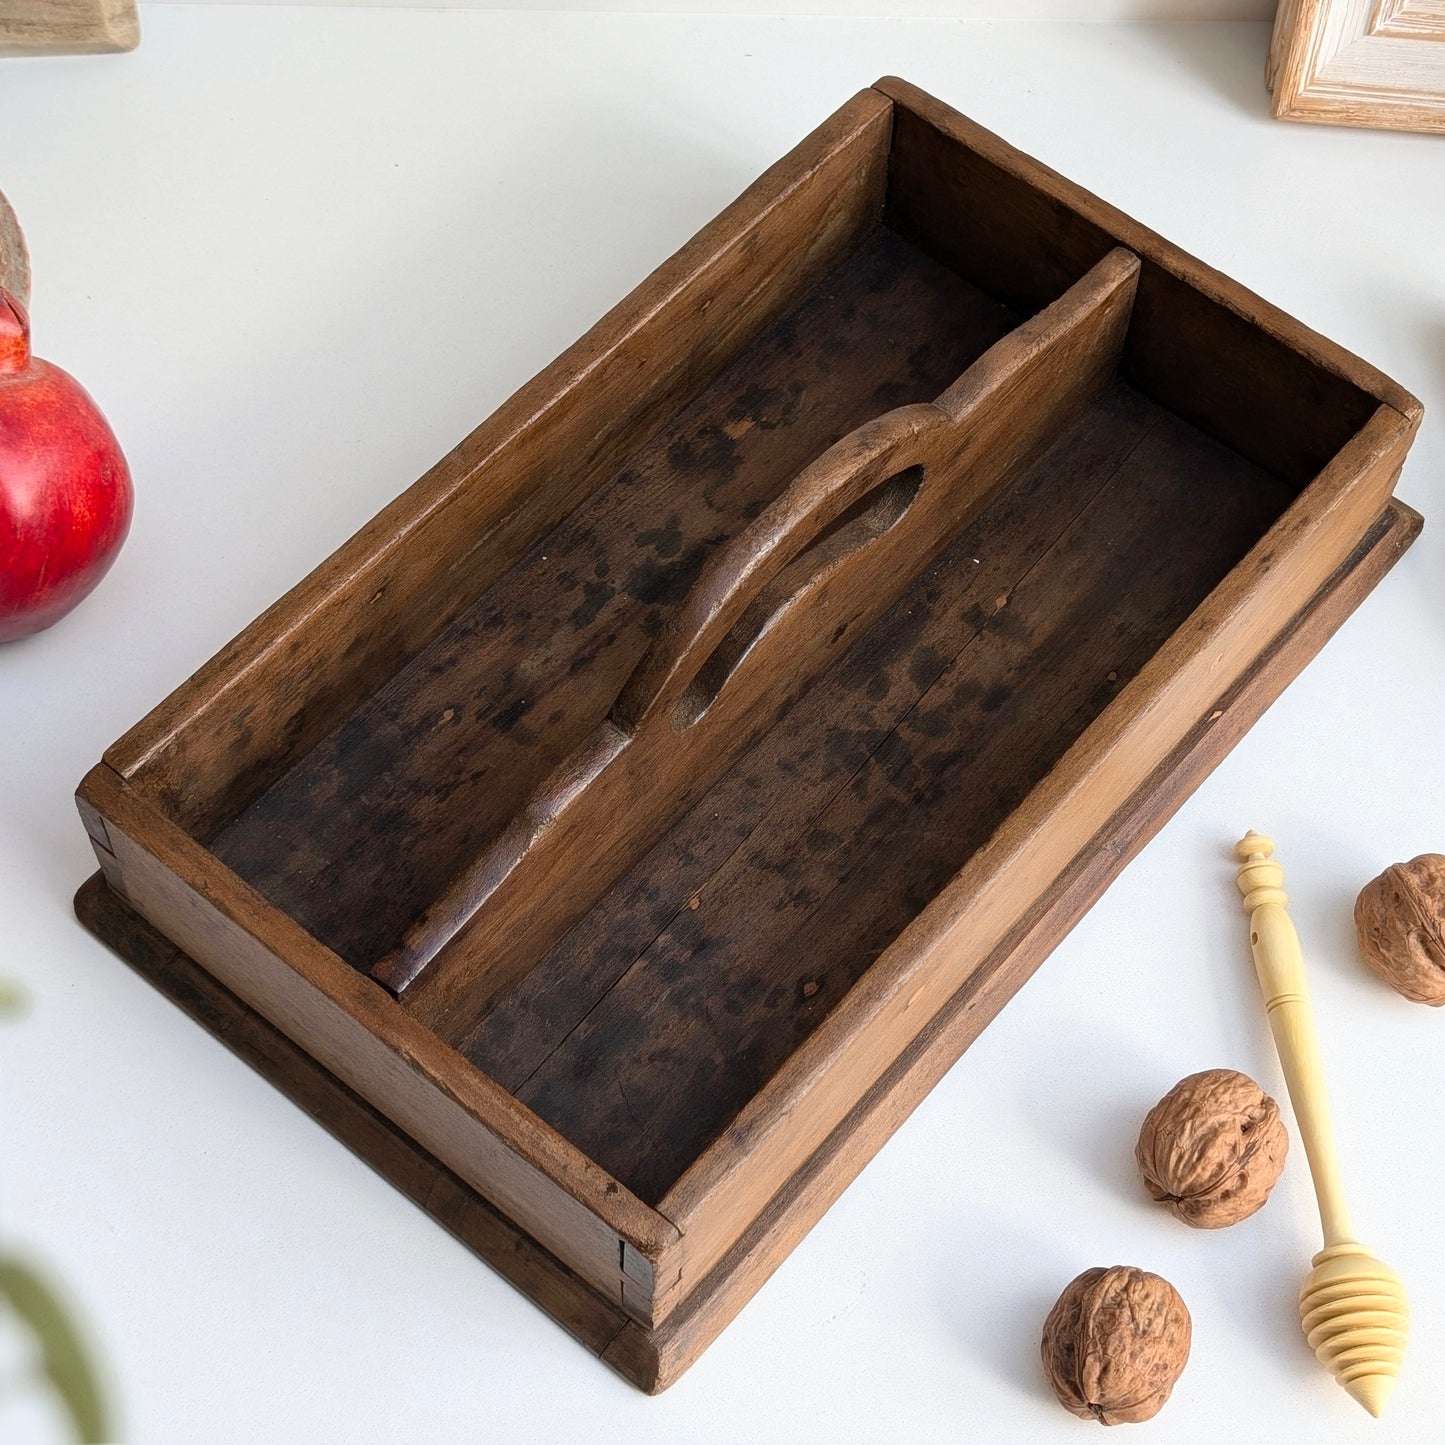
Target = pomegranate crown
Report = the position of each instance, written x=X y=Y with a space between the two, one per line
x=14 y=334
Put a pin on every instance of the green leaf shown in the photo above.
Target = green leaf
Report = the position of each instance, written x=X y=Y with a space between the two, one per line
x=12 y=998
x=63 y=1354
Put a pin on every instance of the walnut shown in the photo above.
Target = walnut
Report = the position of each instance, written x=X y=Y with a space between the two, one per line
x=1400 y=922
x=1115 y=1343
x=1211 y=1149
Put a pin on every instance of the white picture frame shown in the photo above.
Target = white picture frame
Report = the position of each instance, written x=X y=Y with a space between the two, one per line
x=1360 y=62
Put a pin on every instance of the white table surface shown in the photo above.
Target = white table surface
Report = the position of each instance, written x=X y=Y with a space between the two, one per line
x=296 y=254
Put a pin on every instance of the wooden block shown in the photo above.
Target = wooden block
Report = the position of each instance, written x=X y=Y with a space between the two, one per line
x=1340 y=62
x=67 y=27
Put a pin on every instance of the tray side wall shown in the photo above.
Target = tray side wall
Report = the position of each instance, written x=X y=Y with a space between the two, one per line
x=589 y=1317
x=230 y=730
x=359 y=1034
x=730 y=1184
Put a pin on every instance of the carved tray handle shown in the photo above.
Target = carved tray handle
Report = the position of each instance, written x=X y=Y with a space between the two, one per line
x=771 y=610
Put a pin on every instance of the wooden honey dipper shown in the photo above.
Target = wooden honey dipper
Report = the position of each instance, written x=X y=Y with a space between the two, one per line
x=1352 y=1305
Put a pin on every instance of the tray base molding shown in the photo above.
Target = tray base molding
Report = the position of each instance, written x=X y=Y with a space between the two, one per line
x=653 y=1359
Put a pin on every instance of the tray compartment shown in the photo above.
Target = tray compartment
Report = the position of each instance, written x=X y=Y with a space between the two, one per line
x=775 y=605
x=310 y=660
x=362 y=833
x=995 y=217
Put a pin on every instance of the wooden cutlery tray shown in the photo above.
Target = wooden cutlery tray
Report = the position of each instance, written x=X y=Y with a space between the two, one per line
x=619 y=834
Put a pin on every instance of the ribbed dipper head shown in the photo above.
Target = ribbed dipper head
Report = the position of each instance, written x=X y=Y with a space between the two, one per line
x=1357 y=1320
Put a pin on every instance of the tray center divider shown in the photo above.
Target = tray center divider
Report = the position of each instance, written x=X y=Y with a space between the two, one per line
x=768 y=614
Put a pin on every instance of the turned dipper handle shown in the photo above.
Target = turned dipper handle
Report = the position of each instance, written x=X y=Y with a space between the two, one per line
x=1352 y=1305
x=1280 y=965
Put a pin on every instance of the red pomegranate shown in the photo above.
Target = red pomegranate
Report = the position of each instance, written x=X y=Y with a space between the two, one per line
x=65 y=493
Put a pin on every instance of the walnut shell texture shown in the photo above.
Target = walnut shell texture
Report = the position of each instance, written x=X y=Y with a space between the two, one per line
x=1400 y=922
x=1212 y=1148
x=1115 y=1343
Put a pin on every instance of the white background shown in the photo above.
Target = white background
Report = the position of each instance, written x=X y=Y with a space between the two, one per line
x=296 y=254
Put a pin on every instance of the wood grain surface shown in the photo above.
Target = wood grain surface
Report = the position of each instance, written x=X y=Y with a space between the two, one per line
x=1201 y=345
x=311 y=659
x=67 y=27
x=1377 y=63
x=14 y=258
x=360 y=1034
x=592 y=1318
x=954 y=933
